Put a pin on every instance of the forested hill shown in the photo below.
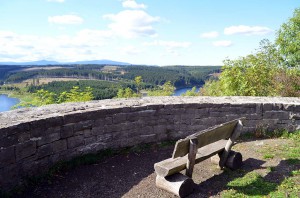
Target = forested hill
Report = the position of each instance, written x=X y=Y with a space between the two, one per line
x=180 y=76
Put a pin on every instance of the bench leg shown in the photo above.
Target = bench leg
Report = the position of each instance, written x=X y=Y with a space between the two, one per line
x=178 y=184
x=234 y=160
x=191 y=157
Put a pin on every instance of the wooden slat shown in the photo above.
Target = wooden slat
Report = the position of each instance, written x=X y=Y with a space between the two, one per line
x=174 y=165
x=205 y=137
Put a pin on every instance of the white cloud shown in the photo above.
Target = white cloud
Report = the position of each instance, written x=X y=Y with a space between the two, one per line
x=132 y=23
x=223 y=43
x=85 y=45
x=247 y=30
x=133 y=4
x=59 y=1
x=213 y=34
x=65 y=19
x=129 y=50
x=168 y=44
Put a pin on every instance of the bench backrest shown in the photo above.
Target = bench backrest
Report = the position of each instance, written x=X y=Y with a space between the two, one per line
x=205 y=137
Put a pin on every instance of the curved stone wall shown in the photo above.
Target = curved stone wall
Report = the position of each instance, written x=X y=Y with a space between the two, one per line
x=33 y=139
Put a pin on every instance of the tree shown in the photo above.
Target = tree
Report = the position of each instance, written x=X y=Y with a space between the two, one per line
x=138 y=81
x=192 y=92
x=44 y=97
x=166 y=90
x=288 y=40
x=253 y=75
x=126 y=93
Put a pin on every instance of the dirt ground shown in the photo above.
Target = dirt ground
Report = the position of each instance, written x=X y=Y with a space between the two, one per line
x=132 y=175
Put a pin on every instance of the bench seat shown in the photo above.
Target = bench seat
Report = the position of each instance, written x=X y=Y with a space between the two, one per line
x=173 y=165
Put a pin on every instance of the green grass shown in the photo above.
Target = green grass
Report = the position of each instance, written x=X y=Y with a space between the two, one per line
x=268 y=156
x=254 y=185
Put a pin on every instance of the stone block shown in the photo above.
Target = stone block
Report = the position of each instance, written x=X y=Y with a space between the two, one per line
x=46 y=139
x=67 y=130
x=232 y=117
x=76 y=133
x=44 y=151
x=25 y=149
x=160 y=129
x=9 y=141
x=105 y=137
x=99 y=122
x=97 y=130
x=23 y=137
x=59 y=146
x=253 y=116
x=73 y=117
x=87 y=133
x=108 y=121
x=119 y=118
x=217 y=114
x=281 y=115
x=90 y=140
x=7 y=156
x=75 y=141
x=250 y=123
x=83 y=125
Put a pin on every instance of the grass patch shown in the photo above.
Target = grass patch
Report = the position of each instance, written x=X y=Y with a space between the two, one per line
x=268 y=156
x=289 y=151
x=254 y=185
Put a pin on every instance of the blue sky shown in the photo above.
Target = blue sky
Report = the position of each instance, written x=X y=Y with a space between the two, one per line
x=156 y=32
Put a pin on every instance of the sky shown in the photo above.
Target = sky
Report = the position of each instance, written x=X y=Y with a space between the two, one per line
x=152 y=32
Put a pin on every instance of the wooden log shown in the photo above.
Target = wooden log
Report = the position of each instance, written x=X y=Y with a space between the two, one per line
x=234 y=160
x=191 y=157
x=178 y=184
x=171 y=166
x=229 y=144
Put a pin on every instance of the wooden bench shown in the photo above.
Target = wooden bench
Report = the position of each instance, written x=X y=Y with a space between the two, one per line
x=215 y=142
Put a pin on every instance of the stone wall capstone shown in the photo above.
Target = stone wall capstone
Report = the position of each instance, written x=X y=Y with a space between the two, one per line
x=33 y=139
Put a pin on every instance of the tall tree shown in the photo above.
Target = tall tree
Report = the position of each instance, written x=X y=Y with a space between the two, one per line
x=288 y=40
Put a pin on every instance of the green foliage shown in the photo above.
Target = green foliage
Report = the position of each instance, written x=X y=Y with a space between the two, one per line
x=44 y=97
x=274 y=70
x=252 y=184
x=166 y=90
x=126 y=93
x=138 y=81
x=100 y=89
x=192 y=92
x=259 y=74
x=288 y=40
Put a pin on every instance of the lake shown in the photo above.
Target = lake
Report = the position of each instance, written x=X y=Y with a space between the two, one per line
x=178 y=92
x=6 y=102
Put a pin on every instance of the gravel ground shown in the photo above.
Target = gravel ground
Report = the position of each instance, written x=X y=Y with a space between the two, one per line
x=132 y=175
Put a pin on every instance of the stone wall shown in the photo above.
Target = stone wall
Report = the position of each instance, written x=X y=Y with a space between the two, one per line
x=33 y=139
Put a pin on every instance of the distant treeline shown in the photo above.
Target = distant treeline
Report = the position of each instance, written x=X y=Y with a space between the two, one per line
x=179 y=76
x=100 y=89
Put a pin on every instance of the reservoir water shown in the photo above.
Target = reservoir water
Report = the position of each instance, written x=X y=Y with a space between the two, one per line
x=178 y=92
x=6 y=102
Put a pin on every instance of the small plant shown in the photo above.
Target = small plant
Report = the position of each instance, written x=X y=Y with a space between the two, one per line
x=261 y=131
x=268 y=156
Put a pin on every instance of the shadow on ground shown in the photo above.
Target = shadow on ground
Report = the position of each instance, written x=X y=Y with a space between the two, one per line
x=132 y=175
